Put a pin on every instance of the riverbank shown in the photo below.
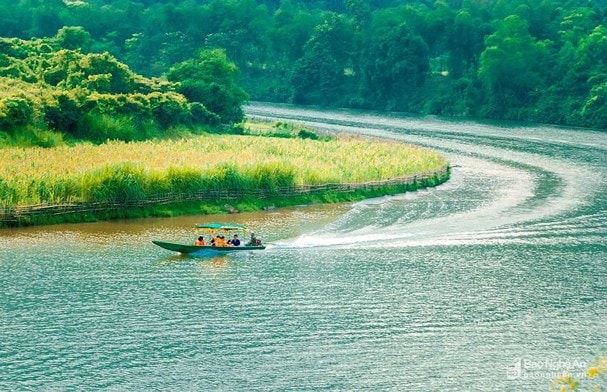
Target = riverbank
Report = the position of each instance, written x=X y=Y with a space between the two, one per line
x=205 y=174
x=225 y=201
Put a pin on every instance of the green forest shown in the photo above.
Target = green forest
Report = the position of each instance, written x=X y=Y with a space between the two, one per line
x=50 y=89
x=537 y=60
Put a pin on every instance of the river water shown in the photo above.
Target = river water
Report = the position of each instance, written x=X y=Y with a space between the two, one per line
x=494 y=281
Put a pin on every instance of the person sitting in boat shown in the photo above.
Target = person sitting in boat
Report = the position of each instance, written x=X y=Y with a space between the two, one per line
x=253 y=240
x=235 y=240
x=200 y=241
x=220 y=241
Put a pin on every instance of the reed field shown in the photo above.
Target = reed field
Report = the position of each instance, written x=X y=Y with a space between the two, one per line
x=129 y=171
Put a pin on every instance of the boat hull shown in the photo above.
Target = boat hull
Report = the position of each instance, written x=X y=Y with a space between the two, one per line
x=187 y=249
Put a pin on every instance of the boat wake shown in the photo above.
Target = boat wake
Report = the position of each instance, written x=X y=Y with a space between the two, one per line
x=508 y=185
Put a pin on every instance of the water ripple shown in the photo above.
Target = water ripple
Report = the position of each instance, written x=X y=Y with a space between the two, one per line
x=441 y=289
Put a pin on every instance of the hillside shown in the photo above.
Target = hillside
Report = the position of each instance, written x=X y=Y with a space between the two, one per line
x=52 y=85
x=541 y=61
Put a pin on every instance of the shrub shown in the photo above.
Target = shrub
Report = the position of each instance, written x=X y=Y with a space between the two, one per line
x=305 y=134
x=15 y=112
x=201 y=115
x=75 y=38
x=169 y=109
x=63 y=114
x=46 y=139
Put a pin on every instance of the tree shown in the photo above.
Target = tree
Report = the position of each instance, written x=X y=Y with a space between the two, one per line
x=292 y=29
x=578 y=23
x=593 y=111
x=396 y=67
x=321 y=76
x=74 y=38
x=360 y=10
x=590 y=68
x=463 y=43
x=510 y=66
x=211 y=79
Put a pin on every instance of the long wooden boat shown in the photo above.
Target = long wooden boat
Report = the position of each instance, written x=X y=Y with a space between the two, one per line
x=187 y=249
x=215 y=229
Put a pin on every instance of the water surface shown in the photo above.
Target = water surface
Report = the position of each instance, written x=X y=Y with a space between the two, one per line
x=493 y=281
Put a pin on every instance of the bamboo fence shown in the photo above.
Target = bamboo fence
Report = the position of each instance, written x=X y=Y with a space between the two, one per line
x=13 y=215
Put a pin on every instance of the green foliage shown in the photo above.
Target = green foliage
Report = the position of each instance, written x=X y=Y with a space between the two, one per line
x=281 y=129
x=202 y=115
x=180 y=180
x=51 y=84
x=64 y=114
x=121 y=183
x=211 y=80
x=271 y=175
x=306 y=134
x=101 y=127
x=29 y=136
x=397 y=65
x=464 y=43
x=74 y=38
x=539 y=61
x=15 y=112
x=510 y=67
x=133 y=172
x=320 y=76
x=593 y=109
x=169 y=109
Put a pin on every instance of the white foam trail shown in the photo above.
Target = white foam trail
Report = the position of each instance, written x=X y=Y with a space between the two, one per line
x=513 y=199
x=510 y=204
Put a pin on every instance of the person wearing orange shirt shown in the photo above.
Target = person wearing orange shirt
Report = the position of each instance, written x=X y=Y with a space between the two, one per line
x=220 y=241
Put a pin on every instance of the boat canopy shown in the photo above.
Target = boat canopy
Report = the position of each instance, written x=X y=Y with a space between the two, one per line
x=221 y=227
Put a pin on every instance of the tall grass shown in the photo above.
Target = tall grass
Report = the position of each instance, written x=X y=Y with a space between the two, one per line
x=125 y=172
x=113 y=127
x=30 y=136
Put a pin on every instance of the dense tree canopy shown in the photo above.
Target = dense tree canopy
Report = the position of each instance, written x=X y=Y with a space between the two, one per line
x=211 y=79
x=44 y=85
x=318 y=76
x=511 y=66
x=530 y=60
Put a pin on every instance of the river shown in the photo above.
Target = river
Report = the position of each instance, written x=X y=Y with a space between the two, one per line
x=495 y=280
